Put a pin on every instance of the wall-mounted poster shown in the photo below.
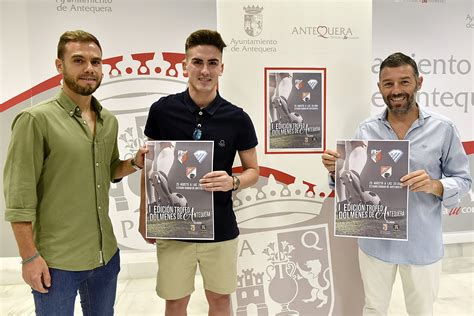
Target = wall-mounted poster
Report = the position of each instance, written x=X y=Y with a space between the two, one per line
x=370 y=201
x=176 y=205
x=295 y=104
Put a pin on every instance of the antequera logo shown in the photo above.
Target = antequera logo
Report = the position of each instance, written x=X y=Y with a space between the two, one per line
x=253 y=26
x=325 y=31
x=253 y=20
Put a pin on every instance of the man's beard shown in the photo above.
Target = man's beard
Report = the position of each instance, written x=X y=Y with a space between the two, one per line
x=410 y=102
x=85 y=91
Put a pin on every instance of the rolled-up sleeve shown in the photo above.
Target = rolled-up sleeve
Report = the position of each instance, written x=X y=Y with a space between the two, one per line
x=456 y=178
x=22 y=169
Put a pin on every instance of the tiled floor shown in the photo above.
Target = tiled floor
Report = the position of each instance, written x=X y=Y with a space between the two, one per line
x=136 y=293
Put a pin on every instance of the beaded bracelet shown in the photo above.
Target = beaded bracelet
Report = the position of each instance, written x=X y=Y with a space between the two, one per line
x=36 y=255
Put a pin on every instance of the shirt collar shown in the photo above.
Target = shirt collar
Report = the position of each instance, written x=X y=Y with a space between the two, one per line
x=422 y=115
x=210 y=109
x=69 y=106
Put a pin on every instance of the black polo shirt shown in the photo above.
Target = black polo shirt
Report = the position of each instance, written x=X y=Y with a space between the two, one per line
x=175 y=117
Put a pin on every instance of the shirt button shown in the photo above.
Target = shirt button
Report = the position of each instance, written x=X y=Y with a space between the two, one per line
x=96 y=164
x=84 y=122
x=71 y=113
x=98 y=185
x=200 y=112
x=100 y=207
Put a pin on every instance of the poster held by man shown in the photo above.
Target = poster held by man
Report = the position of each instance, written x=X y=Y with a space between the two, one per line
x=370 y=201
x=177 y=206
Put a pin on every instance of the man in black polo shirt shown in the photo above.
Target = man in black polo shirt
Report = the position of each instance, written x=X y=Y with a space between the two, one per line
x=200 y=113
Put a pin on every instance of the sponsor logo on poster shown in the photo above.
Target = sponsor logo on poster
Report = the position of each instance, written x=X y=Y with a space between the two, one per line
x=200 y=155
x=375 y=155
x=312 y=83
x=395 y=154
x=191 y=172
x=299 y=84
x=306 y=96
x=183 y=156
x=386 y=171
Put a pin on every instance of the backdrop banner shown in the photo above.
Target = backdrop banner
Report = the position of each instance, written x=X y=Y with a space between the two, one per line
x=143 y=47
x=448 y=86
x=287 y=65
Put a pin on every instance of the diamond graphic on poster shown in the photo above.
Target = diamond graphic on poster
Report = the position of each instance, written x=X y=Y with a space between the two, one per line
x=200 y=155
x=395 y=154
x=182 y=156
x=312 y=83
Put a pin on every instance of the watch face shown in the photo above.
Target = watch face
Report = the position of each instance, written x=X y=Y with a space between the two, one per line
x=236 y=183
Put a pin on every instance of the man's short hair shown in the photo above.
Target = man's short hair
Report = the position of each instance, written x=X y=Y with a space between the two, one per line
x=75 y=36
x=399 y=59
x=205 y=37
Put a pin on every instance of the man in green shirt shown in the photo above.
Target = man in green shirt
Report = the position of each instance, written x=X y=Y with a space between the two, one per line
x=62 y=156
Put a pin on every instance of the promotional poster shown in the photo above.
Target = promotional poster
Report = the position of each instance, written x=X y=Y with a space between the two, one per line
x=295 y=109
x=370 y=201
x=176 y=205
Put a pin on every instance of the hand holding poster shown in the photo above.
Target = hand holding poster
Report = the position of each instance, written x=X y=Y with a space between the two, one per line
x=370 y=201
x=176 y=205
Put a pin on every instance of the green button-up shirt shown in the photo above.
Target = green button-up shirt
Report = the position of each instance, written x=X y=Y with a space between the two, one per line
x=57 y=175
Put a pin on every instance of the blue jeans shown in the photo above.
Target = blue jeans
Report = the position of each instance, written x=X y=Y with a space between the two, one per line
x=97 y=289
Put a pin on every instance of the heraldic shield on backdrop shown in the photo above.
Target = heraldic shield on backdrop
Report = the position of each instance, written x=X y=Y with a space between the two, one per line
x=293 y=275
x=176 y=205
x=370 y=201
x=295 y=110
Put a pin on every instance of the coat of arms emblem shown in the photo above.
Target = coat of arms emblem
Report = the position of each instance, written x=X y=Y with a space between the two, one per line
x=253 y=20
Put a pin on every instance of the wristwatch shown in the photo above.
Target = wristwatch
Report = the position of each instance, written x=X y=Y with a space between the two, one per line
x=134 y=165
x=235 y=183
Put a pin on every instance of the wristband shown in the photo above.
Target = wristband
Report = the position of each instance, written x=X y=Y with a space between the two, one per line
x=28 y=260
x=134 y=165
